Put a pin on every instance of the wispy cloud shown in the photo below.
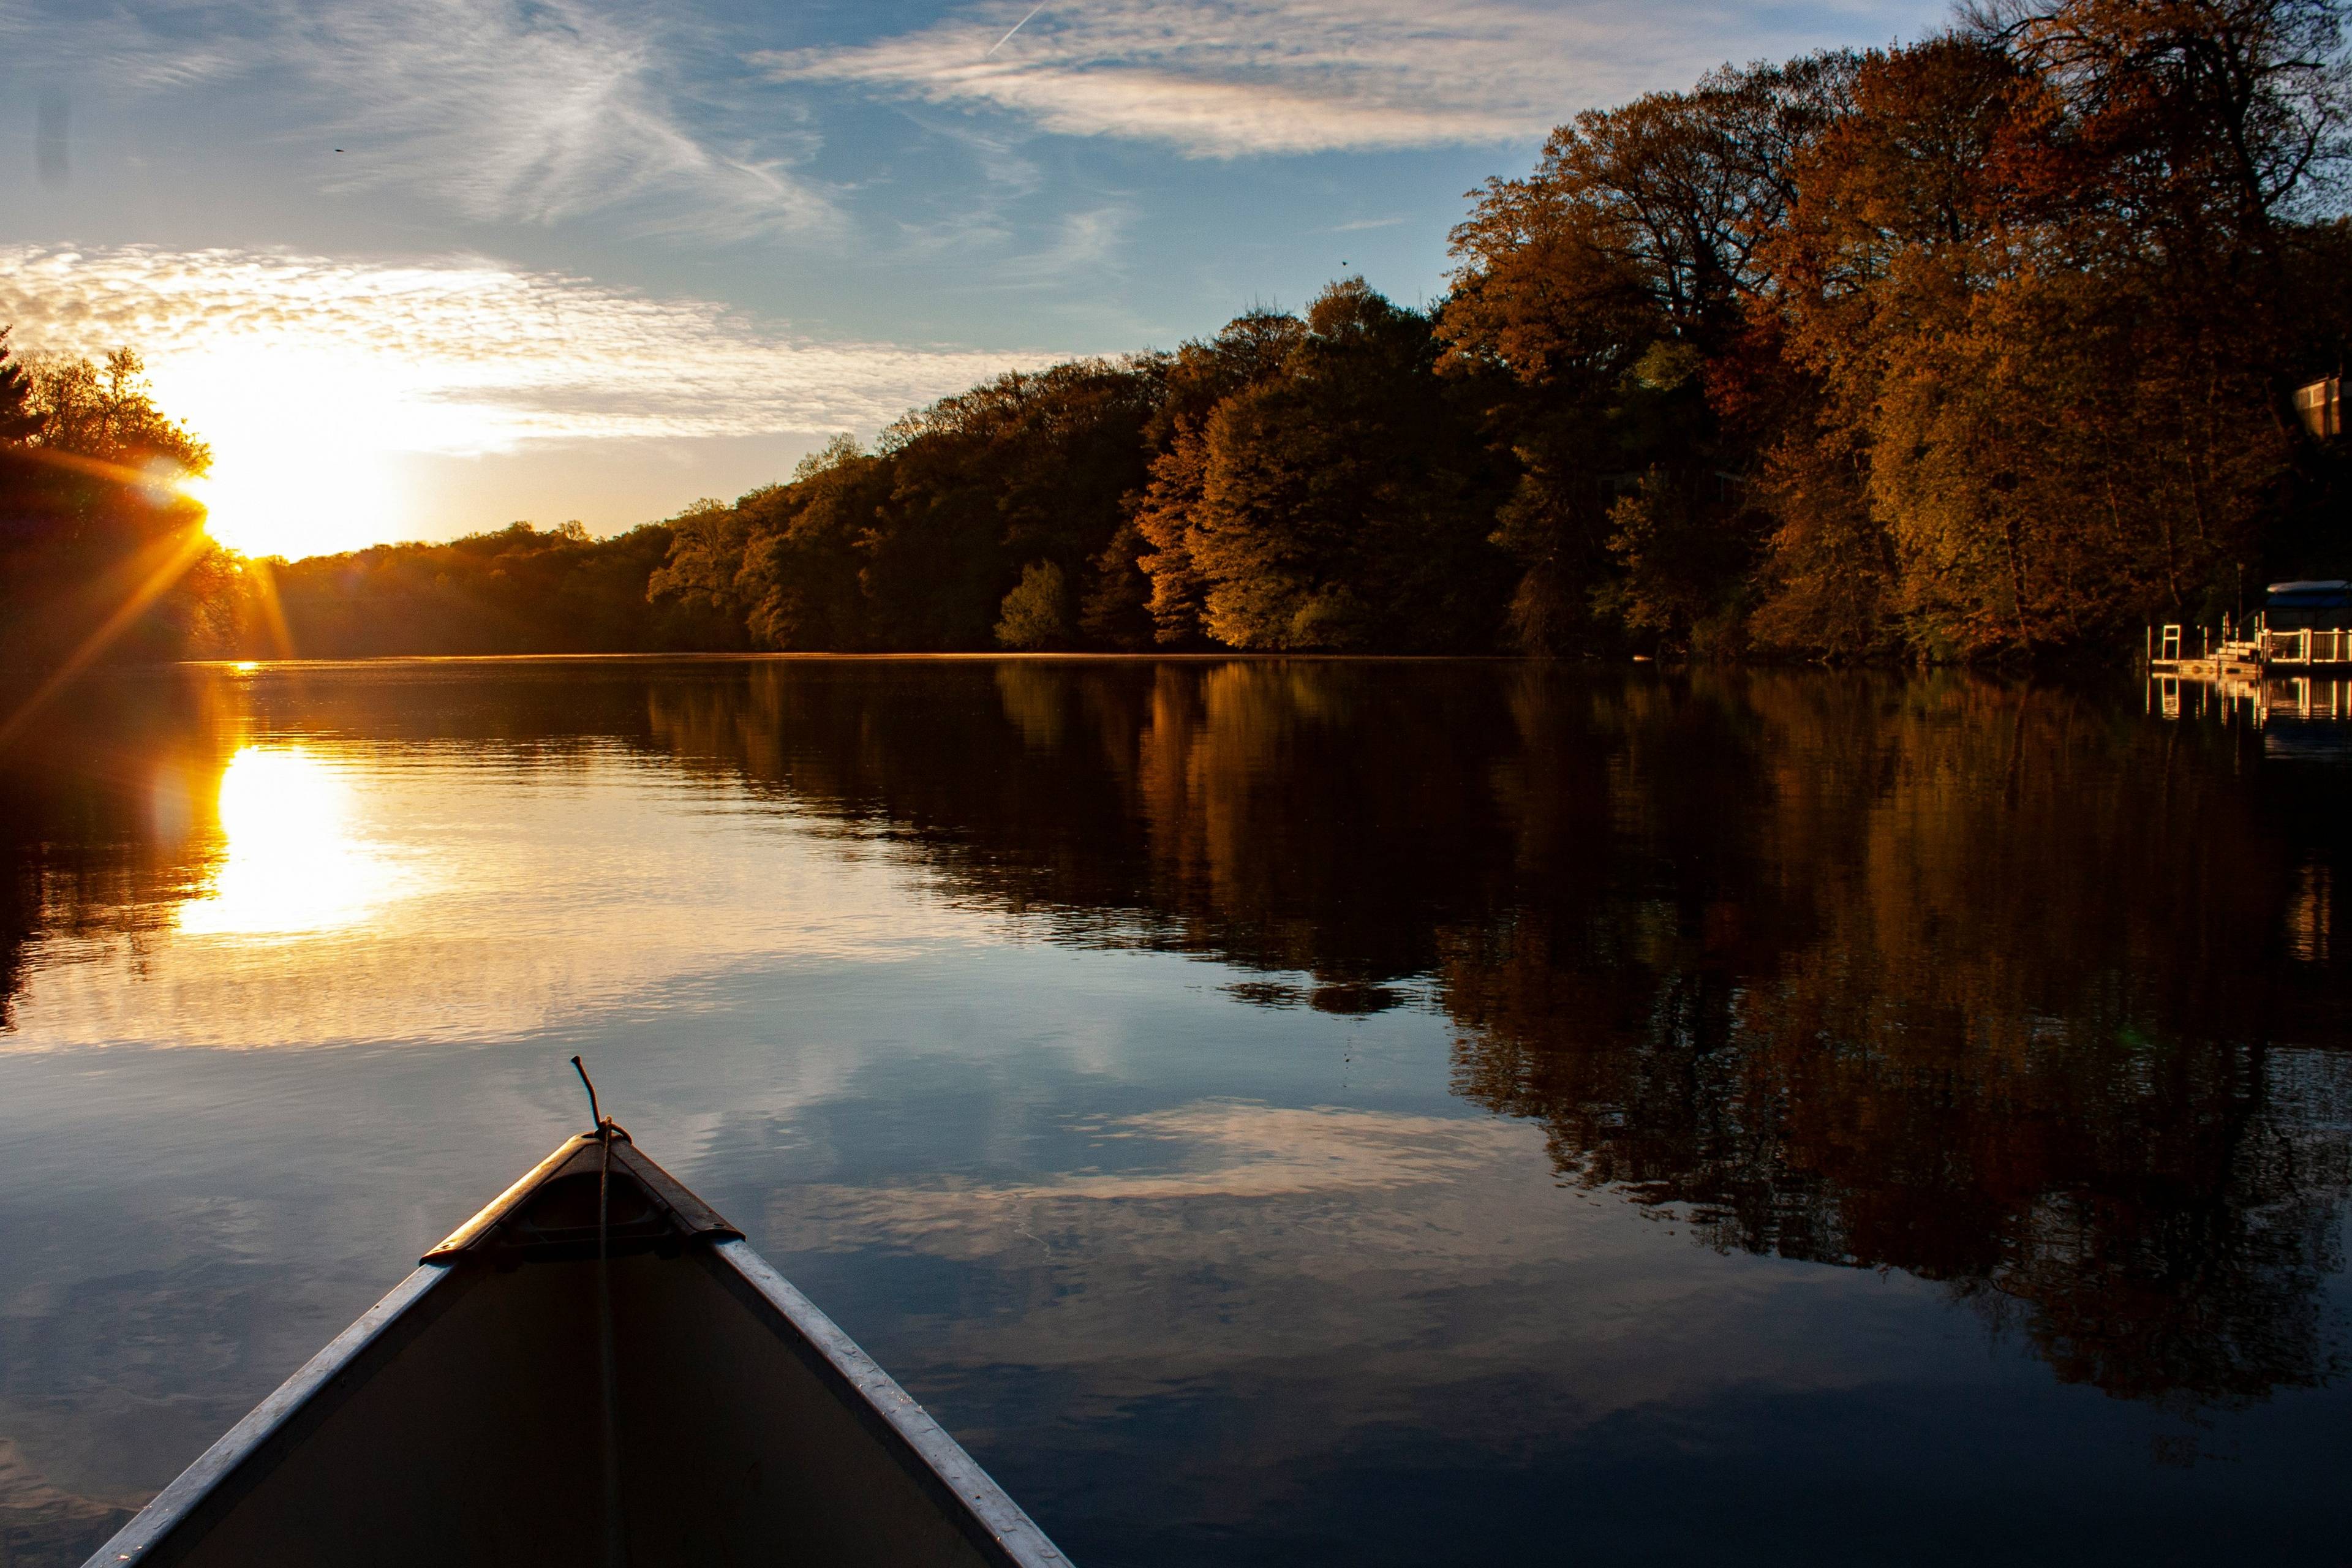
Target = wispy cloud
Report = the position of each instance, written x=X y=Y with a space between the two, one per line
x=541 y=112
x=1082 y=243
x=456 y=355
x=525 y=110
x=1226 y=77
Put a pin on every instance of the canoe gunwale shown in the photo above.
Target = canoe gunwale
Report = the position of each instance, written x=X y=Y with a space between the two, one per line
x=967 y=1492
x=687 y=1215
x=202 y=1482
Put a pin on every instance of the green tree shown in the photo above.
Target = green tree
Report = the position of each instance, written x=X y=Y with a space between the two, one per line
x=1037 y=613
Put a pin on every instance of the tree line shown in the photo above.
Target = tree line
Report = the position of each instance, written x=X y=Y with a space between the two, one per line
x=521 y=589
x=1980 y=349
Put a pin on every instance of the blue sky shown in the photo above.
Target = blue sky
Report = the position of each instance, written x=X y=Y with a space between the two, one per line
x=579 y=261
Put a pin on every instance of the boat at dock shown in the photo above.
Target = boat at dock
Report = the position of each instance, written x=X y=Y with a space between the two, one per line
x=2302 y=626
x=596 y=1368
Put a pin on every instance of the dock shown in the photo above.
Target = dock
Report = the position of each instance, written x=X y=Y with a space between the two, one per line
x=2213 y=668
x=2237 y=659
x=2306 y=628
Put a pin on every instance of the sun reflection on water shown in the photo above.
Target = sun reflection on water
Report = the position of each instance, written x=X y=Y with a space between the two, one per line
x=294 y=864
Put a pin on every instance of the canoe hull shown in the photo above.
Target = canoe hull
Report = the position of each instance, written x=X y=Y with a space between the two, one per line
x=464 y=1420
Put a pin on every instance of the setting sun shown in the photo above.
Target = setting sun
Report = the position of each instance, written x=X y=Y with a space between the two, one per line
x=291 y=475
x=274 y=498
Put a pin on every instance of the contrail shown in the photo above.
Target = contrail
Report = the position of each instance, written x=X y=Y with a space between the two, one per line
x=1015 y=28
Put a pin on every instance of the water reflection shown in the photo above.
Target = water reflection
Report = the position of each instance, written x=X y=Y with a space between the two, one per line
x=106 y=819
x=2025 y=995
x=292 y=864
x=1988 y=985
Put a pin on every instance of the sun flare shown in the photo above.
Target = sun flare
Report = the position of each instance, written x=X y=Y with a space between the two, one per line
x=294 y=865
x=305 y=441
x=269 y=497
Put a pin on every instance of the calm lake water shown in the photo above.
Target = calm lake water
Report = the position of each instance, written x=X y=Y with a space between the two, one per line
x=1271 y=1112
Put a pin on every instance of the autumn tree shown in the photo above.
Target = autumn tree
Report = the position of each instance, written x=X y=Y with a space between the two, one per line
x=1027 y=467
x=2036 y=276
x=1977 y=349
x=1594 y=296
x=916 y=544
x=1900 y=223
x=1341 y=502
x=1155 y=545
x=785 y=559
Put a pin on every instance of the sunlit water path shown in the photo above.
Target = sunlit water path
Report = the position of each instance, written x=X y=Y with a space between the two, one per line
x=1277 y=1112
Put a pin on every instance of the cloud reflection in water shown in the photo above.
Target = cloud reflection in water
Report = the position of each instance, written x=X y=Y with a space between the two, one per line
x=1683 y=1049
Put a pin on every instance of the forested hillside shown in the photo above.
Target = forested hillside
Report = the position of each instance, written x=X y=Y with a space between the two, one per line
x=1977 y=350
x=520 y=590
